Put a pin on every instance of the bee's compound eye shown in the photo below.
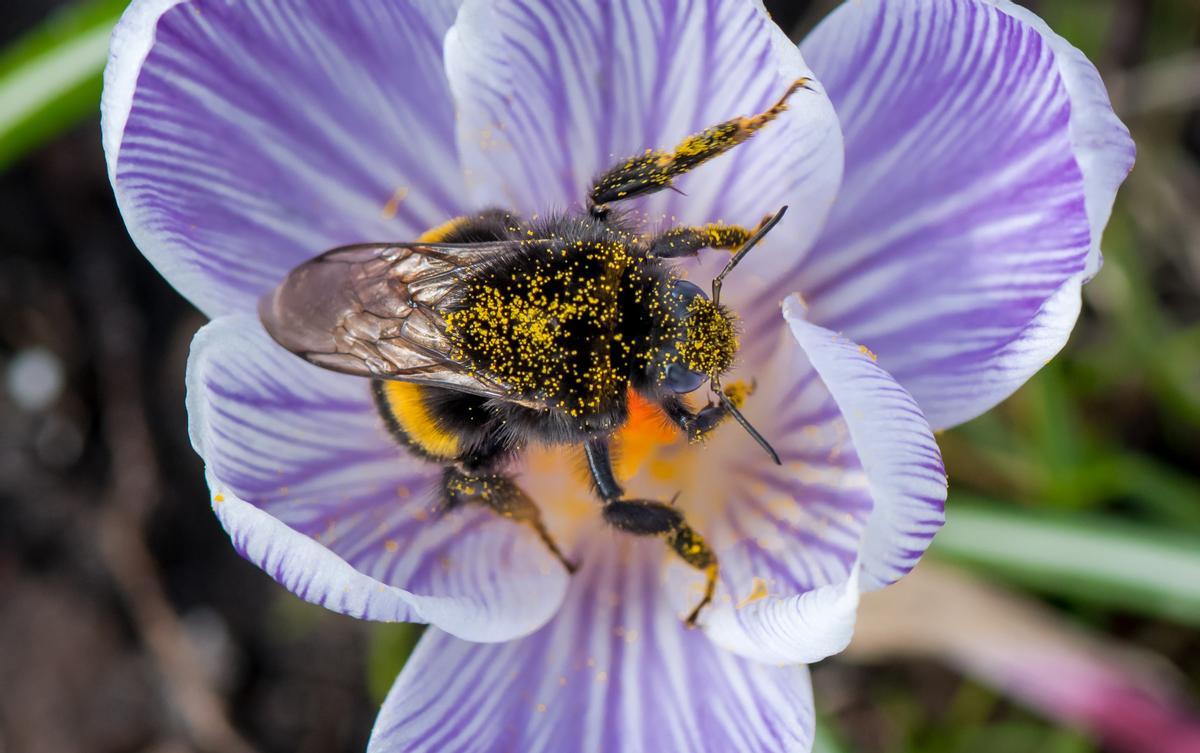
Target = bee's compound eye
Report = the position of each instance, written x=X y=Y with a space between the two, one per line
x=688 y=290
x=680 y=379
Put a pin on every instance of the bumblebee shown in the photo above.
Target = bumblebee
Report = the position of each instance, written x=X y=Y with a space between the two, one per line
x=494 y=331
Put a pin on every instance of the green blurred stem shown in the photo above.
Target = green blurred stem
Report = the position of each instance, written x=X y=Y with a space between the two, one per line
x=390 y=645
x=1115 y=565
x=825 y=740
x=50 y=79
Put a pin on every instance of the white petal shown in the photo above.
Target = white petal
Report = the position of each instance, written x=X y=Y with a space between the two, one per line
x=313 y=490
x=243 y=138
x=982 y=158
x=894 y=443
x=552 y=94
x=615 y=671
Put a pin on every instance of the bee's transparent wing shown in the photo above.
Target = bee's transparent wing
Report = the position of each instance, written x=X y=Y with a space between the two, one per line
x=375 y=310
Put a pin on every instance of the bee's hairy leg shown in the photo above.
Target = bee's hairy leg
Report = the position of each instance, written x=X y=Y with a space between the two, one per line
x=679 y=242
x=697 y=424
x=654 y=170
x=500 y=494
x=647 y=518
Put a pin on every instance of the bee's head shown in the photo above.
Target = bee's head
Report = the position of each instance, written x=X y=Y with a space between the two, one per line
x=702 y=343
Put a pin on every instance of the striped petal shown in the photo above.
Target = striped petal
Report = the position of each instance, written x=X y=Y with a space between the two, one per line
x=894 y=444
x=551 y=94
x=790 y=528
x=243 y=138
x=857 y=501
x=982 y=158
x=615 y=670
x=311 y=489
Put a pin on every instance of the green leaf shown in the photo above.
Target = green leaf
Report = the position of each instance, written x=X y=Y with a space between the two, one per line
x=1113 y=564
x=825 y=740
x=50 y=79
x=391 y=644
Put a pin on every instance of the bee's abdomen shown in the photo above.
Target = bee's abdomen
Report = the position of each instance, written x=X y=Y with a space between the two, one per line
x=406 y=412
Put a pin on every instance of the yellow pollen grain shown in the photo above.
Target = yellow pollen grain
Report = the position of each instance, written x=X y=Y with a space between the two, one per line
x=392 y=206
x=218 y=497
x=518 y=330
x=708 y=344
x=758 y=591
x=867 y=352
x=738 y=391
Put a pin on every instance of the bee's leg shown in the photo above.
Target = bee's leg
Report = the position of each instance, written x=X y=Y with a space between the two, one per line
x=684 y=241
x=502 y=496
x=687 y=240
x=654 y=170
x=646 y=518
x=696 y=424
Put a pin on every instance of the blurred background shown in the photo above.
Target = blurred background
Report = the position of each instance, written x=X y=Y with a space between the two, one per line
x=1056 y=613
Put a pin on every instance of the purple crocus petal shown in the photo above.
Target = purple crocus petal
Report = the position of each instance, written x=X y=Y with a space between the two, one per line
x=551 y=94
x=313 y=490
x=786 y=528
x=615 y=670
x=243 y=138
x=859 y=498
x=982 y=158
x=894 y=444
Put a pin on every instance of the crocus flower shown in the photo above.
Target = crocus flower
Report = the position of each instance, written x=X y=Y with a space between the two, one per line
x=948 y=177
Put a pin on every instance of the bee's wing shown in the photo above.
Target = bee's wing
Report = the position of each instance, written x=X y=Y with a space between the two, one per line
x=374 y=310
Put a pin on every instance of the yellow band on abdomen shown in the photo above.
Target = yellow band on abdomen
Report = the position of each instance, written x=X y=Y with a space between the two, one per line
x=439 y=233
x=410 y=417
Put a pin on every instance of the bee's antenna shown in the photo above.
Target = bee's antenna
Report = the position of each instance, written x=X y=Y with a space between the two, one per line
x=737 y=415
x=733 y=262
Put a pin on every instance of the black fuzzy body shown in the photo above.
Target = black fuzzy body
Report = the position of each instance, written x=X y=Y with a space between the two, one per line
x=628 y=321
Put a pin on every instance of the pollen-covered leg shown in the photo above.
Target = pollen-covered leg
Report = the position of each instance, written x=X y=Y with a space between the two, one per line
x=504 y=497
x=687 y=241
x=654 y=170
x=646 y=518
x=684 y=241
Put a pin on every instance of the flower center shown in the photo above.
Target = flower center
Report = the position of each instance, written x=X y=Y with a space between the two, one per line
x=652 y=459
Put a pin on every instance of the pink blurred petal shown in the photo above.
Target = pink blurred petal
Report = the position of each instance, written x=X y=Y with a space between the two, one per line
x=1127 y=697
